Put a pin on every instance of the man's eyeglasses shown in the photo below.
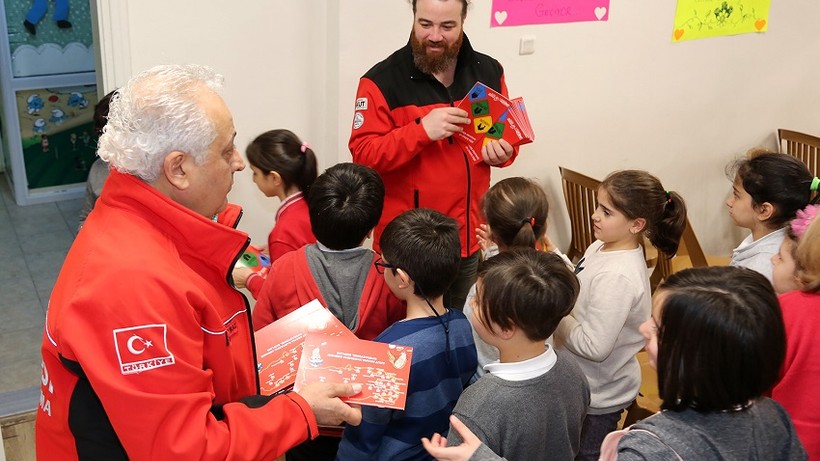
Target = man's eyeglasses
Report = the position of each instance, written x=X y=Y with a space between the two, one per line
x=381 y=266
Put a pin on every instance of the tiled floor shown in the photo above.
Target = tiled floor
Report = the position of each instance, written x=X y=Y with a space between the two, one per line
x=34 y=241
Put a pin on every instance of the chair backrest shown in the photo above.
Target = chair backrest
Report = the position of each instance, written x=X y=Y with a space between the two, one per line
x=803 y=146
x=689 y=246
x=579 y=194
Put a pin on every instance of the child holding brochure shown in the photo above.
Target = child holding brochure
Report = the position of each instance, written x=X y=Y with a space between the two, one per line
x=420 y=259
x=345 y=203
x=284 y=167
x=521 y=296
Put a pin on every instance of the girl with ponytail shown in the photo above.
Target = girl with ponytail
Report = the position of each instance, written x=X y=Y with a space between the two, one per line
x=284 y=167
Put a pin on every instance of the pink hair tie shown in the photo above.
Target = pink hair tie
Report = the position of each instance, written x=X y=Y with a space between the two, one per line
x=803 y=219
x=305 y=146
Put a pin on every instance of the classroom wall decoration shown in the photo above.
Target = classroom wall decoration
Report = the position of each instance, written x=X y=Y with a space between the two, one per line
x=57 y=131
x=696 y=19
x=48 y=37
x=523 y=12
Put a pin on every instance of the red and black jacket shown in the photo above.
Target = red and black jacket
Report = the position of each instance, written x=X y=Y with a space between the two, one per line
x=388 y=136
x=148 y=349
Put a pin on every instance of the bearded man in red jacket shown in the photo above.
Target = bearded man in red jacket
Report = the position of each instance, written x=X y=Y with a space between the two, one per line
x=405 y=119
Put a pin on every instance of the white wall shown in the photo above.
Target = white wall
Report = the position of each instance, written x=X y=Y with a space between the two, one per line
x=601 y=96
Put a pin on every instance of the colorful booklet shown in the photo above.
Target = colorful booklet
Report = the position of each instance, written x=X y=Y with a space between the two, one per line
x=382 y=369
x=492 y=117
x=255 y=260
x=279 y=345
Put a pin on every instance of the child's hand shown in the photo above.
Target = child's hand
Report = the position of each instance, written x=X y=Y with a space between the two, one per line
x=484 y=236
x=547 y=243
x=437 y=446
x=240 y=276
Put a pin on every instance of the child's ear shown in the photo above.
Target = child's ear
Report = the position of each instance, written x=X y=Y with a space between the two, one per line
x=765 y=211
x=404 y=279
x=507 y=333
x=638 y=225
x=275 y=177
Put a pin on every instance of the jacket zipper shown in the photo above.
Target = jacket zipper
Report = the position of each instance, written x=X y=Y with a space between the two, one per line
x=469 y=187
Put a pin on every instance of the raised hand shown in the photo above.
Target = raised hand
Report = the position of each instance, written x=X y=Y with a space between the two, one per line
x=443 y=122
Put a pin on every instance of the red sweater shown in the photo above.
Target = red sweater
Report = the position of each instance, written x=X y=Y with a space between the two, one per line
x=147 y=349
x=291 y=232
x=798 y=388
x=291 y=285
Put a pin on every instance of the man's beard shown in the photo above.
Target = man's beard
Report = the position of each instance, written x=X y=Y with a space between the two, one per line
x=437 y=63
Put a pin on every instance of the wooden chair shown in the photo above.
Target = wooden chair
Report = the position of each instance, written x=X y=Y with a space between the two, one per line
x=803 y=146
x=579 y=195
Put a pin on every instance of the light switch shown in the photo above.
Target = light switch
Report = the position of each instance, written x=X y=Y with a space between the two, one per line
x=527 y=45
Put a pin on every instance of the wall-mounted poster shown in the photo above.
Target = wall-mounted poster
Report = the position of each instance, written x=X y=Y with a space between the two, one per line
x=522 y=12
x=57 y=132
x=714 y=18
x=48 y=37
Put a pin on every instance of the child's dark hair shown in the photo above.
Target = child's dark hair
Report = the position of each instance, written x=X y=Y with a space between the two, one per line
x=101 y=112
x=345 y=203
x=638 y=194
x=516 y=210
x=530 y=289
x=283 y=152
x=425 y=244
x=721 y=339
x=779 y=179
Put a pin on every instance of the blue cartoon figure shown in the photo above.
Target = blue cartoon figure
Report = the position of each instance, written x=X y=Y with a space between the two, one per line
x=34 y=104
x=77 y=99
x=38 y=10
x=57 y=116
x=39 y=125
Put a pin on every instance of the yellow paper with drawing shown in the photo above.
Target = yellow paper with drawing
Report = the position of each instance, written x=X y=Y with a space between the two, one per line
x=713 y=18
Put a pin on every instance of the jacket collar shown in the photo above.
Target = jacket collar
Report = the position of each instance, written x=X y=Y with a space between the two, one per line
x=196 y=237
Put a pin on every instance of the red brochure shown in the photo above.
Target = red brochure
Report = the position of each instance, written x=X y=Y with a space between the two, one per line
x=255 y=260
x=492 y=117
x=382 y=369
x=520 y=110
x=279 y=345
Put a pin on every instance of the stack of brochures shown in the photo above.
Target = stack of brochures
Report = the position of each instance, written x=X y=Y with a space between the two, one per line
x=492 y=117
x=311 y=345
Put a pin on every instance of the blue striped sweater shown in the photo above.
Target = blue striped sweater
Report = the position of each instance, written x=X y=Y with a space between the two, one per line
x=432 y=391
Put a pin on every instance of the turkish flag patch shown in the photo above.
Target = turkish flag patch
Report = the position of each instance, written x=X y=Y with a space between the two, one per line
x=142 y=348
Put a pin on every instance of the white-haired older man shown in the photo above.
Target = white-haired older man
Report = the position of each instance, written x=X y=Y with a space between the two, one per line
x=147 y=349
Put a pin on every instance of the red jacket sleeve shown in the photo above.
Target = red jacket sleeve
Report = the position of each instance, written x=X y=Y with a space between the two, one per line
x=375 y=140
x=263 y=310
x=254 y=284
x=165 y=413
